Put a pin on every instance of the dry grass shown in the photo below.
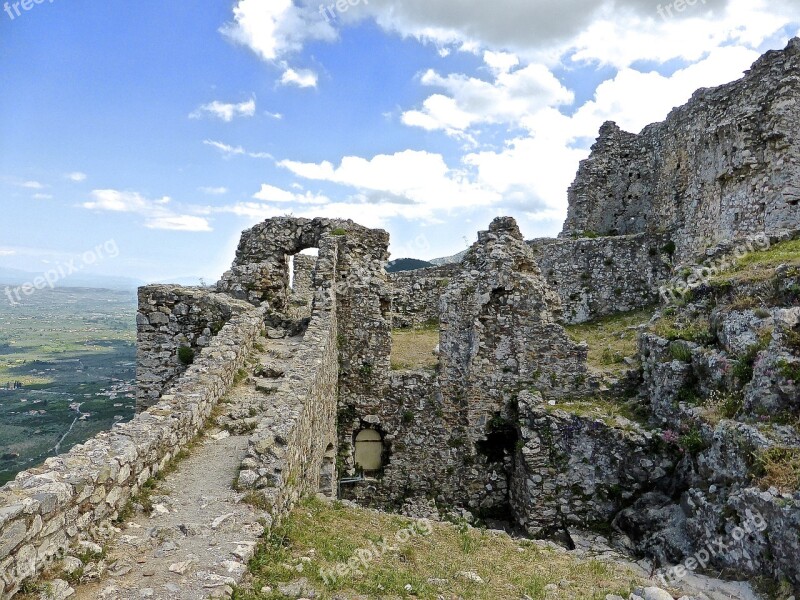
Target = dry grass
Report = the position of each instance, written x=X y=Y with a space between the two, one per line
x=779 y=467
x=329 y=534
x=611 y=339
x=759 y=266
x=413 y=348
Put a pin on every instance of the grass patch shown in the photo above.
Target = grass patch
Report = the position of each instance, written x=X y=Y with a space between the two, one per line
x=318 y=536
x=672 y=327
x=611 y=339
x=759 y=266
x=598 y=408
x=413 y=348
x=779 y=467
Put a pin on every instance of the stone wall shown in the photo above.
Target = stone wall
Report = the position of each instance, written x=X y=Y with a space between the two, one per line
x=169 y=318
x=416 y=295
x=302 y=291
x=725 y=165
x=603 y=276
x=292 y=451
x=499 y=335
x=71 y=497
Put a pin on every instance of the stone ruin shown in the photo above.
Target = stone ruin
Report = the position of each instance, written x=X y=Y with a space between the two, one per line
x=492 y=432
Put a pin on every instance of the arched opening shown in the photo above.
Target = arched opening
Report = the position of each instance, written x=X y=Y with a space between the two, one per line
x=369 y=451
x=327 y=473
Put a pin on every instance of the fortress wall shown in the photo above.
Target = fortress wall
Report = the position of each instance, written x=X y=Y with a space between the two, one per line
x=171 y=317
x=293 y=450
x=721 y=167
x=50 y=508
x=604 y=276
x=416 y=294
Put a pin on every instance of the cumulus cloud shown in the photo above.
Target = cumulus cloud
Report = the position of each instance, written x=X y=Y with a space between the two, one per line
x=157 y=213
x=42 y=196
x=275 y=28
x=225 y=111
x=76 y=176
x=302 y=78
x=32 y=185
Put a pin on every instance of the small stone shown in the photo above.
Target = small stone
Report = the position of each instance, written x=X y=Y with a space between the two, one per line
x=654 y=593
x=469 y=576
x=146 y=592
x=181 y=567
x=58 y=589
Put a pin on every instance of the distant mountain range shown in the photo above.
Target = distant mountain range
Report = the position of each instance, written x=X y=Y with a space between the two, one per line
x=446 y=260
x=406 y=264
x=15 y=277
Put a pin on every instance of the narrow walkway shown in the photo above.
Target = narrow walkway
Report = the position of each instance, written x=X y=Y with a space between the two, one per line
x=201 y=533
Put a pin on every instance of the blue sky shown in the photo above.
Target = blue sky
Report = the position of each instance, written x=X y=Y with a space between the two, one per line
x=170 y=128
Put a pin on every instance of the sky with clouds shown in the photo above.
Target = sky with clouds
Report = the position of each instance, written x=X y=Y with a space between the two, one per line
x=169 y=127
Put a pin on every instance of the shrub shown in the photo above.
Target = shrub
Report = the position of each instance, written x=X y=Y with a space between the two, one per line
x=339 y=232
x=186 y=355
x=779 y=467
x=681 y=352
x=692 y=441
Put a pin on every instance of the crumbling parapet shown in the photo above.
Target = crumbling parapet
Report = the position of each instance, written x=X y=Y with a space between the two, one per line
x=173 y=324
x=723 y=166
x=416 y=294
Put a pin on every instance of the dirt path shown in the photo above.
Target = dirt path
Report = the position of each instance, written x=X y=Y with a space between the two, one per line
x=200 y=535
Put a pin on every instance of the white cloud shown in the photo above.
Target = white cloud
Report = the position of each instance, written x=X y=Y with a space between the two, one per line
x=511 y=97
x=277 y=27
x=230 y=151
x=76 y=176
x=7 y=252
x=302 y=78
x=157 y=213
x=410 y=182
x=32 y=185
x=270 y=193
x=213 y=191
x=225 y=111
x=42 y=196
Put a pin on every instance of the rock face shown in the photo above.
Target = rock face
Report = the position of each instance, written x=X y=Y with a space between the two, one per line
x=724 y=165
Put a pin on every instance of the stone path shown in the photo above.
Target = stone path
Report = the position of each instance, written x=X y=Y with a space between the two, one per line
x=201 y=534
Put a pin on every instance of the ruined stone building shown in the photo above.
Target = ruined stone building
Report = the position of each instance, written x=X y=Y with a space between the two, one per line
x=494 y=430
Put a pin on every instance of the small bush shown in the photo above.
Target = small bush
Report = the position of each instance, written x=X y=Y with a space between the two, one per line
x=339 y=232
x=779 y=467
x=669 y=248
x=692 y=441
x=186 y=355
x=680 y=352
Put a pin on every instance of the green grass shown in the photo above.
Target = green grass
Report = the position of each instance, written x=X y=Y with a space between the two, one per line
x=758 y=266
x=779 y=467
x=597 y=408
x=413 y=348
x=611 y=339
x=317 y=536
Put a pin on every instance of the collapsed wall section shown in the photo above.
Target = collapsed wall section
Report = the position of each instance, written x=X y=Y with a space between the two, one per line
x=173 y=324
x=724 y=165
x=71 y=497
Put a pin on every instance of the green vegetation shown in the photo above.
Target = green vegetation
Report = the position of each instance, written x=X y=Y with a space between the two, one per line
x=339 y=232
x=779 y=467
x=674 y=327
x=681 y=352
x=413 y=348
x=760 y=265
x=692 y=441
x=316 y=537
x=607 y=411
x=67 y=347
x=185 y=355
x=611 y=339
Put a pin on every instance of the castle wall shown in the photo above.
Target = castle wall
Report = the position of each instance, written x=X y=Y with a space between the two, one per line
x=48 y=509
x=416 y=294
x=725 y=165
x=292 y=451
x=603 y=276
x=171 y=317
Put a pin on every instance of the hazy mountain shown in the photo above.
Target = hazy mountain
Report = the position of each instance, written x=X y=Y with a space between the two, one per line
x=446 y=260
x=406 y=264
x=16 y=277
